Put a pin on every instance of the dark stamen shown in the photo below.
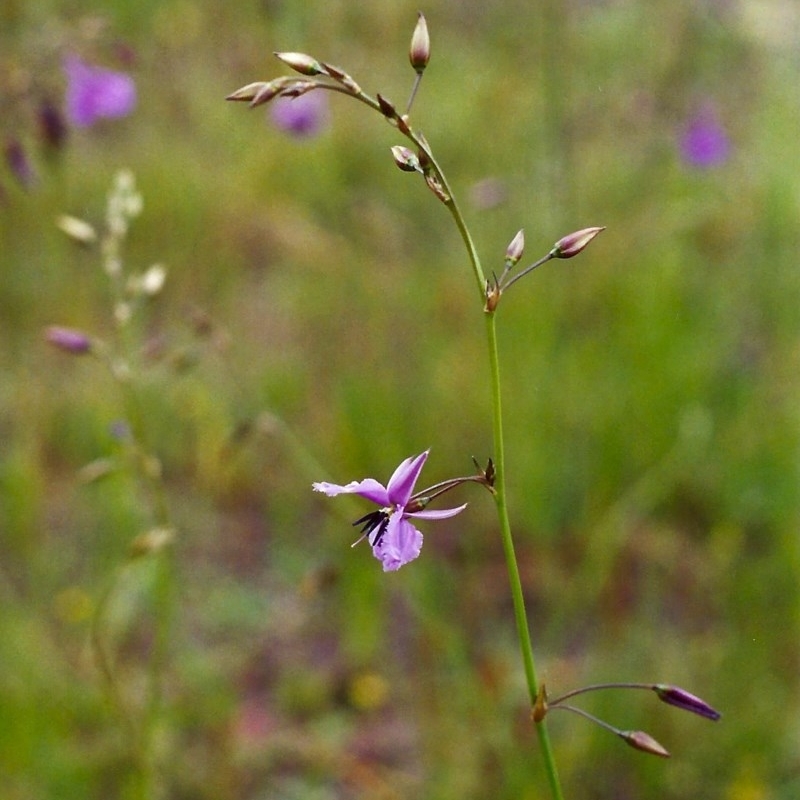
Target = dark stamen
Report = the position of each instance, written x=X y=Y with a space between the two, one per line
x=373 y=525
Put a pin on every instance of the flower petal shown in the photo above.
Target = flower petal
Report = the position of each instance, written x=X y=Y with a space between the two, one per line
x=400 y=544
x=369 y=489
x=401 y=484
x=442 y=513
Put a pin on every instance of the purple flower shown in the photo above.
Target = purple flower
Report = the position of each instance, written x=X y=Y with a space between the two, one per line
x=94 y=93
x=302 y=116
x=704 y=142
x=394 y=540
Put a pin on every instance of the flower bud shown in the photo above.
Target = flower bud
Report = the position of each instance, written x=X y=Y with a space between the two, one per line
x=405 y=159
x=420 y=51
x=574 y=243
x=643 y=741
x=52 y=127
x=69 y=340
x=78 y=230
x=19 y=164
x=680 y=698
x=515 y=249
x=249 y=92
x=300 y=62
x=387 y=107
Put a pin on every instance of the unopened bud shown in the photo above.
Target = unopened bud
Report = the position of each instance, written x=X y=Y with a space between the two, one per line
x=644 y=742
x=69 y=340
x=249 y=92
x=387 y=107
x=300 y=62
x=52 y=127
x=151 y=541
x=18 y=163
x=515 y=249
x=420 y=51
x=675 y=696
x=574 y=243
x=405 y=159
x=77 y=229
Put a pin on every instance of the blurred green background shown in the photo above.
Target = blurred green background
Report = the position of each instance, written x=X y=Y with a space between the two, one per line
x=319 y=309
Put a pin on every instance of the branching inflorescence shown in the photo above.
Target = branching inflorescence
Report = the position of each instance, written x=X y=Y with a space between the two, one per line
x=394 y=539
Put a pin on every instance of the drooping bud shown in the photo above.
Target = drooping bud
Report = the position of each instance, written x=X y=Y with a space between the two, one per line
x=515 y=249
x=69 y=340
x=405 y=159
x=574 y=243
x=675 y=696
x=420 y=51
x=302 y=63
x=644 y=742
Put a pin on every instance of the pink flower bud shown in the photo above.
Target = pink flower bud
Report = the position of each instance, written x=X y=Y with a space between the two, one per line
x=574 y=243
x=420 y=51
x=69 y=340
x=300 y=62
x=405 y=159
x=515 y=249
x=643 y=741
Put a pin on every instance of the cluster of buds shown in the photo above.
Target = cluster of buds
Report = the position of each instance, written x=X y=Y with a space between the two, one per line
x=666 y=693
x=566 y=247
x=317 y=74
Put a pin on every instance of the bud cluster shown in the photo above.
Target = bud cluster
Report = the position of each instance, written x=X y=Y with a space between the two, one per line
x=672 y=695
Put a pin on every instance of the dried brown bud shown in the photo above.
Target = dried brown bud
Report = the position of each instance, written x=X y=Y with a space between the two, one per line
x=574 y=243
x=387 y=107
x=515 y=249
x=492 y=293
x=675 y=696
x=643 y=741
x=420 y=51
x=540 y=706
x=302 y=63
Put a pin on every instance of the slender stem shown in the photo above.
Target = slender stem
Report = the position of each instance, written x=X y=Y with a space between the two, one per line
x=523 y=631
x=597 y=687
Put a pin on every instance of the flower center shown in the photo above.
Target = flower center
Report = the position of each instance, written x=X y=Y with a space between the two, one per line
x=373 y=525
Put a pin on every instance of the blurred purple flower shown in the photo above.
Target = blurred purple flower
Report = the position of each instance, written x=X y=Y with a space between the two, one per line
x=95 y=93
x=394 y=540
x=303 y=116
x=704 y=142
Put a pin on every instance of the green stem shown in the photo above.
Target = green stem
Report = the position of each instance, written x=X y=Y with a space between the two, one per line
x=523 y=631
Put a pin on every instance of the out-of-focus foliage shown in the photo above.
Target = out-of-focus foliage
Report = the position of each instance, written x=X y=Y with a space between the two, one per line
x=319 y=310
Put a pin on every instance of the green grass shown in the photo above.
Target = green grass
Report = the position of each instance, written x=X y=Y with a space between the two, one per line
x=651 y=392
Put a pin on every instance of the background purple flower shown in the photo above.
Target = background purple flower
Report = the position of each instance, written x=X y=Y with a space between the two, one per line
x=95 y=93
x=704 y=142
x=302 y=116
